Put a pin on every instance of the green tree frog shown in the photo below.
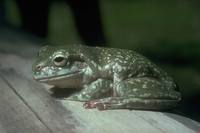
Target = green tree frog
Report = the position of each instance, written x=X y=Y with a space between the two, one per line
x=107 y=78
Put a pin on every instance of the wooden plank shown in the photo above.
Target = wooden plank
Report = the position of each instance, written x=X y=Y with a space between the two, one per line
x=15 y=116
x=49 y=111
x=165 y=123
x=116 y=121
x=130 y=121
x=2 y=130
x=186 y=121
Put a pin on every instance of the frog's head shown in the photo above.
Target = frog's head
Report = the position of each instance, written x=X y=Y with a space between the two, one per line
x=59 y=66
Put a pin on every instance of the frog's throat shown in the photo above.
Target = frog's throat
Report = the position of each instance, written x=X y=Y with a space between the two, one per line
x=58 y=77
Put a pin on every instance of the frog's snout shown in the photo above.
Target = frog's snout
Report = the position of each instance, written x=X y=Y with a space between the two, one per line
x=39 y=67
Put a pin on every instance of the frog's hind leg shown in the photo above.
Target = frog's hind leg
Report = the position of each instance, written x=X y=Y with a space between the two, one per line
x=139 y=93
x=131 y=103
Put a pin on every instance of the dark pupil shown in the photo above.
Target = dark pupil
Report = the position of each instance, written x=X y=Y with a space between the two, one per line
x=59 y=59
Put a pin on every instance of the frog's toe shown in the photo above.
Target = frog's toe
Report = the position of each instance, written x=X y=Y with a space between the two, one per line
x=101 y=106
x=95 y=104
x=91 y=104
x=87 y=105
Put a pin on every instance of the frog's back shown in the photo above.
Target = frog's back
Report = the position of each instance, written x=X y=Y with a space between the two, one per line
x=125 y=58
x=121 y=56
x=130 y=61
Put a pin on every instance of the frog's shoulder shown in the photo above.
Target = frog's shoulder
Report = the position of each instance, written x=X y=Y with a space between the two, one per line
x=119 y=51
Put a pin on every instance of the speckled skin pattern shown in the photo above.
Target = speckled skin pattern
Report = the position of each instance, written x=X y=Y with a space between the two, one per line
x=108 y=78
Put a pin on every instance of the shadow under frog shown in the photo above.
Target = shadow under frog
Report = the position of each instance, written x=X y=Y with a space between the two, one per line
x=105 y=78
x=62 y=93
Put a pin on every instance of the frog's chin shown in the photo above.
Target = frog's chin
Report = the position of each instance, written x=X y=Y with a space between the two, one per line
x=73 y=80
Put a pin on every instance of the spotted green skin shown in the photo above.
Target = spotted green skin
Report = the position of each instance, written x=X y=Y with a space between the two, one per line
x=109 y=78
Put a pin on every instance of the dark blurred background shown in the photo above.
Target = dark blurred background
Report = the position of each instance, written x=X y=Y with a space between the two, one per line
x=167 y=32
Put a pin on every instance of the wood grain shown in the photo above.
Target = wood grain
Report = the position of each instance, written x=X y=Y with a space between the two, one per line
x=15 y=116
x=47 y=110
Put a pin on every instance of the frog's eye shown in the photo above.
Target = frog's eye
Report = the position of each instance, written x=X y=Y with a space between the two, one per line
x=59 y=61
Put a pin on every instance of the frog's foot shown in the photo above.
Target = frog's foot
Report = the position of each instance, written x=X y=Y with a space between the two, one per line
x=95 y=104
x=72 y=98
x=78 y=97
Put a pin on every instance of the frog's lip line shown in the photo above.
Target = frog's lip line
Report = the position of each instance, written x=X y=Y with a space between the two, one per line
x=52 y=78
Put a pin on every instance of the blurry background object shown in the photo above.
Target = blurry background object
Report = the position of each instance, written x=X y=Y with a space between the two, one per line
x=35 y=13
x=34 y=16
x=2 y=12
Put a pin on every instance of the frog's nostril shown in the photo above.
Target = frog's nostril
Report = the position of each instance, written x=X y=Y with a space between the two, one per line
x=38 y=67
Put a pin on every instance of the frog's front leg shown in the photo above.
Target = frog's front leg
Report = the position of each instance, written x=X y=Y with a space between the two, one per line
x=98 y=89
x=98 y=103
x=140 y=93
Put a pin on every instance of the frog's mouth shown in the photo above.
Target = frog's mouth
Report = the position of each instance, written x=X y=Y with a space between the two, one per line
x=67 y=76
x=58 y=77
x=63 y=80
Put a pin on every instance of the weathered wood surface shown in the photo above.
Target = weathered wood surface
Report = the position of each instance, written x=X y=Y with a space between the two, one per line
x=27 y=106
x=15 y=115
